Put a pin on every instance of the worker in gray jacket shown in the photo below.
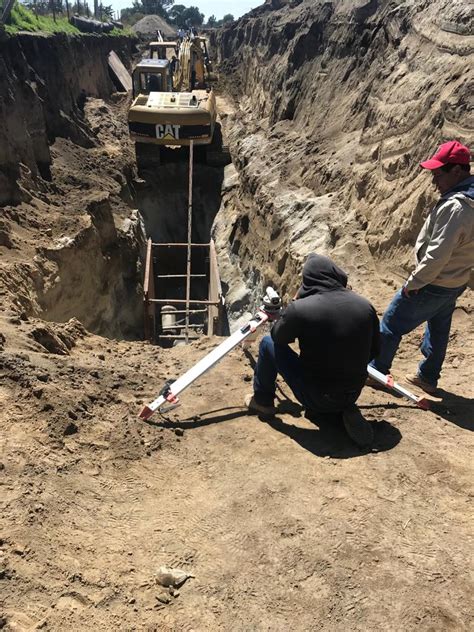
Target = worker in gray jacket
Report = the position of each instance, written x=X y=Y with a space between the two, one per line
x=444 y=259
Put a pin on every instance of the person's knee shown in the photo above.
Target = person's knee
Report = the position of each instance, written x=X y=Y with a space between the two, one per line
x=267 y=345
x=281 y=352
x=399 y=319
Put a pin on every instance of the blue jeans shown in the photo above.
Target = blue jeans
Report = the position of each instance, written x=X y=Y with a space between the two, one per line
x=434 y=305
x=273 y=359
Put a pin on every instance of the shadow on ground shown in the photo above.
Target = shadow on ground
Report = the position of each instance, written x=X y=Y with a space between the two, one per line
x=454 y=408
x=329 y=438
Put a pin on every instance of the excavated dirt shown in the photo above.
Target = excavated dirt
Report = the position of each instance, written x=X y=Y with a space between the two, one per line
x=73 y=247
x=283 y=524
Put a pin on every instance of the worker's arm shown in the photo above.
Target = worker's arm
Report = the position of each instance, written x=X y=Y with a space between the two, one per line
x=285 y=330
x=447 y=231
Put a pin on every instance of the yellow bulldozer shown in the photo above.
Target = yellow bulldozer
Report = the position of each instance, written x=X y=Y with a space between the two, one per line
x=173 y=103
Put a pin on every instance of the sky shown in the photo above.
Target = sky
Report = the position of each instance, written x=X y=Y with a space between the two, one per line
x=209 y=7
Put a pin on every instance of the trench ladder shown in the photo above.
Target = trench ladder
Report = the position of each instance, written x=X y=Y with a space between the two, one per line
x=212 y=306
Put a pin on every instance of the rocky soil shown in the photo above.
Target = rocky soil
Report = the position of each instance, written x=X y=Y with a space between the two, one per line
x=284 y=524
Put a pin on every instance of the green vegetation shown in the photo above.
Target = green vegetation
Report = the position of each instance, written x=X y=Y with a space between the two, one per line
x=127 y=32
x=140 y=8
x=213 y=22
x=21 y=19
x=185 y=17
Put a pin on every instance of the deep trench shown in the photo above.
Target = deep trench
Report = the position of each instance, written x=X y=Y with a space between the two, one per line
x=94 y=270
x=96 y=278
x=163 y=202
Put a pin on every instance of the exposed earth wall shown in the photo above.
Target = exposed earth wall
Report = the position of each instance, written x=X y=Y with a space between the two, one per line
x=72 y=239
x=336 y=104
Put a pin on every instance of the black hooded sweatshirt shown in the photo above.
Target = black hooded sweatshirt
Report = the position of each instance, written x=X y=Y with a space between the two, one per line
x=337 y=330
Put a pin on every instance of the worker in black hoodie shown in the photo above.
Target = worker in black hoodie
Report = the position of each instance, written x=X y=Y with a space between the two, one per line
x=338 y=335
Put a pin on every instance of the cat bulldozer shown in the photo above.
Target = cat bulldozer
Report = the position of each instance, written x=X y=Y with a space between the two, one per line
x=167 y=113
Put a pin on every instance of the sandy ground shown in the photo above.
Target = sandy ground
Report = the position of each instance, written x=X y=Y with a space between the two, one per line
x=284 y=524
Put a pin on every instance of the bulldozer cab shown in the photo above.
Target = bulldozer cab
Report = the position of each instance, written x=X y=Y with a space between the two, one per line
x=163 y=50
x=152 y=75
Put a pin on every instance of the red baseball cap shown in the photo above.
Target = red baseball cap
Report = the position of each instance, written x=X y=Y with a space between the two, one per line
x=451 y=152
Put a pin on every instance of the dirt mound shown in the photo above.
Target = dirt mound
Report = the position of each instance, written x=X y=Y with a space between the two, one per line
x=150 y=24
x=58 y=339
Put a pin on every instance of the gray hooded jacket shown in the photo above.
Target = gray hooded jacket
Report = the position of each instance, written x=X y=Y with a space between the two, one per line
x=445 y=246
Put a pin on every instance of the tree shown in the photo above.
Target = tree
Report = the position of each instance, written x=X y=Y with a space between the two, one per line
x=156 y=7
x=106 y=11
x=184 y=17
x=193 y=16
x=44 y=7
x=134 y=10
x=214 y=23
x=81 y=7
x=176 y=14
x=130 y=19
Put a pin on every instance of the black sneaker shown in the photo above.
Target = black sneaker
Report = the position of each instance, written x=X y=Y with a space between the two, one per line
x=358 y=428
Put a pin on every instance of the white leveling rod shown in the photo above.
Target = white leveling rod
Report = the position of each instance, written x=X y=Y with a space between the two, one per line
x=388 y=382
x=269 y=311
x=168 y=397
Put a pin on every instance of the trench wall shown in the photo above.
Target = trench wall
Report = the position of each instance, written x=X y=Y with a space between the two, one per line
x=336 y=104
x=43 y=80
x=71 y=240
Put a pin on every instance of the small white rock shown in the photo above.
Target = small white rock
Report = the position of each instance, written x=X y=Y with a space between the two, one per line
x=171 y=576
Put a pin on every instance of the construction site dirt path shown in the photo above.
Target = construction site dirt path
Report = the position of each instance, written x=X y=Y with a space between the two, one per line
x=283 y=524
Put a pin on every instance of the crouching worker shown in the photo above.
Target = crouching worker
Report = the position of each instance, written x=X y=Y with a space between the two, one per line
x=338 y=334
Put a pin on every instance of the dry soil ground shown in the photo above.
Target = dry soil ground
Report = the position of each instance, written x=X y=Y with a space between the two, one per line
x=285 y=524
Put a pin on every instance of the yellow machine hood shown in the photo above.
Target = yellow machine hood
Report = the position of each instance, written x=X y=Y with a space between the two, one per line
x=173 y=118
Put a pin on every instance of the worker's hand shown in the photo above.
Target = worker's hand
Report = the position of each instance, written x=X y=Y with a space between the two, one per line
x=408 y=293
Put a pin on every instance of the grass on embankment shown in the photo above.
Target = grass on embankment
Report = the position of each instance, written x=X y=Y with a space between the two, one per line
x=22 y=19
